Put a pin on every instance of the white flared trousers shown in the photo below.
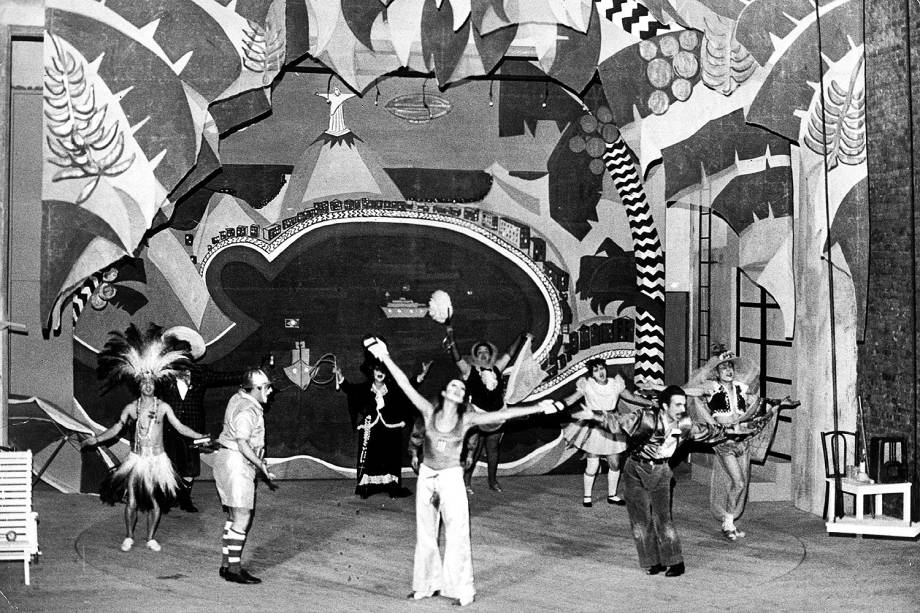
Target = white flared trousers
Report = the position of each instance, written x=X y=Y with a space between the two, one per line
x=454 y=576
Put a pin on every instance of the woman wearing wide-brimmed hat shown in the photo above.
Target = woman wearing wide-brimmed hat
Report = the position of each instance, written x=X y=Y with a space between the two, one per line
x=379 y=411
x=727 y=384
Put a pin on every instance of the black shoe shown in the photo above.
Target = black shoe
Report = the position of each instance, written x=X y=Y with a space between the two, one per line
x=251 y=578
x=675 y=570
x=616 y=500
x=188 y=506
x=223 y=571
x=586 y=501
x=495 y=486
x=233 y=577
x=654 y=570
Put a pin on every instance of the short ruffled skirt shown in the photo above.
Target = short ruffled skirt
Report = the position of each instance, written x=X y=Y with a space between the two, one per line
x=149 y=477
x=593 y=439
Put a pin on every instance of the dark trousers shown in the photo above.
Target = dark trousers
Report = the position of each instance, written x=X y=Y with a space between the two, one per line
x=475 y=443
x=647 y=489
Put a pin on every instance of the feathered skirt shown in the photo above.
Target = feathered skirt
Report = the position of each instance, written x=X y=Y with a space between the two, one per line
x=147 y=477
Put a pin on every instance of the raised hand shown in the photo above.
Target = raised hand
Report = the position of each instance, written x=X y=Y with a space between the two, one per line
x=550 y=406
x=376 y=347
x=449 y=344
x=584 y=414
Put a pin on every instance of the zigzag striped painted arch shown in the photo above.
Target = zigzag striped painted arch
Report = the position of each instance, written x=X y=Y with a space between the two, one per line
x=649 y=256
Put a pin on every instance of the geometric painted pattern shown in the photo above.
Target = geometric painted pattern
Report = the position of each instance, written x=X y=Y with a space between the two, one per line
x=634 y=17
x=82 y=296
x=649 y=258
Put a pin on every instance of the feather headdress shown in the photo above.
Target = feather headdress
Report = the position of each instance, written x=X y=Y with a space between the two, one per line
x=133 y=356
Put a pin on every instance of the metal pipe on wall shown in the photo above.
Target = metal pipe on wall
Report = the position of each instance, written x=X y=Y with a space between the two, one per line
x=6 y=68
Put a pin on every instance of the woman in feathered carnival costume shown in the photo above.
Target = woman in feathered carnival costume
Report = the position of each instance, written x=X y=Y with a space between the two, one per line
x=727 y=386
x=146 y=480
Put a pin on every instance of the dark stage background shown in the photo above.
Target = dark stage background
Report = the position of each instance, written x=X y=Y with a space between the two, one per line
x=333 y=281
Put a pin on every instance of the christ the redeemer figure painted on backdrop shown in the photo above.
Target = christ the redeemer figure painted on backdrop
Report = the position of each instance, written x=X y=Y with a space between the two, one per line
x=335 y=100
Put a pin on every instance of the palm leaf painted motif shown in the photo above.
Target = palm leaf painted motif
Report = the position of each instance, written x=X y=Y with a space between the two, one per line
x=724 y=61
x=798 y=57
x=837 y=125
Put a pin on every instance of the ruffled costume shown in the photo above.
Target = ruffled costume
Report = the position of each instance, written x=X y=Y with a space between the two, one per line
x=592 y=437
x=728 y=404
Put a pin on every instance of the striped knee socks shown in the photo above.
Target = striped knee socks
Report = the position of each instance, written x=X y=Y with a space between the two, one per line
x=233 y=545
x=225 y=553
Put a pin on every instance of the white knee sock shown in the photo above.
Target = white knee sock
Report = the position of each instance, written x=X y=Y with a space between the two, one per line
x=588 y=480
x=613 y=480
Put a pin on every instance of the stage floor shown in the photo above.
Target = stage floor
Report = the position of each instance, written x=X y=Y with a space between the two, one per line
x=535 y=548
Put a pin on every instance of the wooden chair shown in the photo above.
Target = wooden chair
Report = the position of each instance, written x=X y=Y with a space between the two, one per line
x=839 y=452
x=18 y=522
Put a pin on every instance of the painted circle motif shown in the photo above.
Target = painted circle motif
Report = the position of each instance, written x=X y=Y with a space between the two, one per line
x=648 y=50
x=658 y=102
x=595 y=147
x=596 y=166
x=659 y=72
x=669 y=45
x=685 y=64
x=681 y=88
x=98 y=302
x=604 y=114
x=588 y=123
x=610 y=133
x=689 y=39
x=577 y=144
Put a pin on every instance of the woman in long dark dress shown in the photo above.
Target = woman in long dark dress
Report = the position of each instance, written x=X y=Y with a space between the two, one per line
x=379 y=411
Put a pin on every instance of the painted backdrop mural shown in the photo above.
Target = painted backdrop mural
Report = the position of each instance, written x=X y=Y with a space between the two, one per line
x=570 y=128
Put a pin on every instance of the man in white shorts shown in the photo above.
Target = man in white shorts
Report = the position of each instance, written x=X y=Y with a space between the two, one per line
x=237 y=464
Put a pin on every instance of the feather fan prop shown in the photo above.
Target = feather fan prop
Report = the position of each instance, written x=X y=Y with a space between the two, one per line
x=440 y=307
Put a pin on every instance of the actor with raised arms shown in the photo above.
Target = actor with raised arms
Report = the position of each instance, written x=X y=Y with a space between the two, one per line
x=440 y=494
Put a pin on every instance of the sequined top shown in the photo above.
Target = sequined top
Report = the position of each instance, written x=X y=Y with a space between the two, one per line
x=653 y=435
x=726 y=401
